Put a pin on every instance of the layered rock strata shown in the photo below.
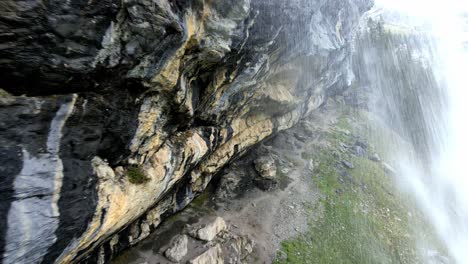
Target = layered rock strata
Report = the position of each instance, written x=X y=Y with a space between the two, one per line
x=100 y=95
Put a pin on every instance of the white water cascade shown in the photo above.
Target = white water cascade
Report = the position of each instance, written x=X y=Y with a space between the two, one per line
x=439 y=182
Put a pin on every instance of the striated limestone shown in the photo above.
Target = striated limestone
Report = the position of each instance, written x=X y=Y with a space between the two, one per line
x=177 y=89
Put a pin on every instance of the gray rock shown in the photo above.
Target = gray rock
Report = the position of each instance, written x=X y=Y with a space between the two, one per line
x=359 y=151
x=228 y=185
x=300 y=137
x=388 y=169
x=362 y=144
x=347 y=164
x=237 y=249
x=375 y=157
x=178 y=248
x=310 y=165
x=217 y=95
x=213 y=255
x=266 y=167
x=210 y=230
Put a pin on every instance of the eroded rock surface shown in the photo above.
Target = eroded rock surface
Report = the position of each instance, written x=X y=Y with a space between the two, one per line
x=266 y=170
x=266 y=167
x=213 y=255
x=173 y=89
x=210 y=230
x=178 y=249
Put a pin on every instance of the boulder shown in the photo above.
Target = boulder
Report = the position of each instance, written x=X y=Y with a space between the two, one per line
x=210 y=230
x=361 y=144
x=228 y=185
x=310 y=165
x=265 y=167
x=375 y=157
x=388 y=169
x=266 y=170
x=359 y=151
x=347 y=164
x=238 y=248
x=178 y=249
x=213 y=255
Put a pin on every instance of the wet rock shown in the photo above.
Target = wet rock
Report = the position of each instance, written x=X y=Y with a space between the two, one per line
x=375 y=157
x=359 y=151
x=238 y=248
x=436 y=257
x=209 y=231
x=266 y=167
x=388 y=169
x=285 y=170
x=217 y=95
x=343 y=145
x=344 y=173
x=347 y=164
x=178 y=248
x=362 y=144
x=266 y=184
x=310 y=165
x=228 y=185
x=300 y=137
x=213 y=255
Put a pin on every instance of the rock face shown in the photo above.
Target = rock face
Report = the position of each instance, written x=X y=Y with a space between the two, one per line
x=173 y=89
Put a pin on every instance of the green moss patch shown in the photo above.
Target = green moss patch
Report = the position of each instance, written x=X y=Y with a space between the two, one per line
x=136 y=175
x=365 y=219
x=4 y=93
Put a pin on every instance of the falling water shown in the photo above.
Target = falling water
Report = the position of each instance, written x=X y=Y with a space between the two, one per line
x=429 y=107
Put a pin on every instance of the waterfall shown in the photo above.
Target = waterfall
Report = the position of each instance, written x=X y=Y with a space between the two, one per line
x=428 y=107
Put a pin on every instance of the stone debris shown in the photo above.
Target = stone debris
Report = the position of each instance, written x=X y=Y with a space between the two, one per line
x=311 y=165
x=213 y=255
x=388 y=169
x=238 y=249
x=361 y=144
x=210 y=230
x=359 y=151
x=347 y=164
x=375 y=157
x=266 y=167
x=178 y=248
x=228 y=185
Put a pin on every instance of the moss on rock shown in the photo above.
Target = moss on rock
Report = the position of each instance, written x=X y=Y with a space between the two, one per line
x=136 y=175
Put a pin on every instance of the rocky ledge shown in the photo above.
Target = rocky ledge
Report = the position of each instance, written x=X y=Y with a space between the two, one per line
x=116 y=114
